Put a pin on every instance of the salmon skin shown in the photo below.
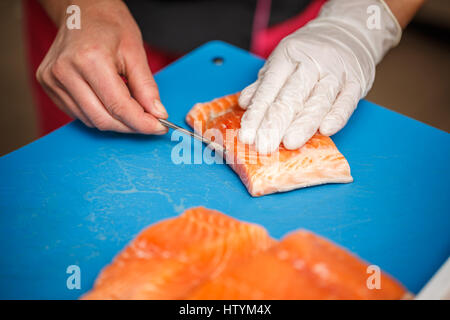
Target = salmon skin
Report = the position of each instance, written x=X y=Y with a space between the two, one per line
x=317 y=162
x=204 y=254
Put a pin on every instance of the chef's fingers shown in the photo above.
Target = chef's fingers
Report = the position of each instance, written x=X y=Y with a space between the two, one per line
x=88 y=102
x=247 y=94
x=46 y=76
x=116 y=99
x=278 y=70
x=51 y=81
x=289 y=102
x=141 y=82
x=306 y=124
x=342 y=109
x=60 y=94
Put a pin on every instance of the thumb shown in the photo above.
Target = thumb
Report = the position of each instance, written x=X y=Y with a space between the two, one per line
x=142 y=84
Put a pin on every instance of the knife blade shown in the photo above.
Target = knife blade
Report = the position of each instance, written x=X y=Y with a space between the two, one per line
x=215 y=146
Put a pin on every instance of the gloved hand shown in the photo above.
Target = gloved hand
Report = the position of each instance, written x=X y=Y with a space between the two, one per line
x=315 y=77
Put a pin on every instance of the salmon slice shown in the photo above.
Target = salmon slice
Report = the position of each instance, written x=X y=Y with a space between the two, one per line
x=317 y=162
x=204 y=254
x=170 y=259
x=301 y=266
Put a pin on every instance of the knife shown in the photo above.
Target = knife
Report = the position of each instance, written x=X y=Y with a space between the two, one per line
x=215 y=146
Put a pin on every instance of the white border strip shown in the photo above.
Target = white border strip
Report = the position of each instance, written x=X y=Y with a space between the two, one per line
x=438 y=288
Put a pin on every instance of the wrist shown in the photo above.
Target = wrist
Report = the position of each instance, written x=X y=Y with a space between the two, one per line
x=370 y=21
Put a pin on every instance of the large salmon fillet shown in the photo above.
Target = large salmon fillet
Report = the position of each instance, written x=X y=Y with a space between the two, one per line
x=171 y=258
x=317 y=162
x=204 y=254
x=301 y=266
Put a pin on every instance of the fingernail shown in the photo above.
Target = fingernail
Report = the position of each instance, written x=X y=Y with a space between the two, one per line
x=159 y=109
x=161 y=129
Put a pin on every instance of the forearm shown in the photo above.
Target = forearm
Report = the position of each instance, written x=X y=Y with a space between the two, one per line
x=404 y=10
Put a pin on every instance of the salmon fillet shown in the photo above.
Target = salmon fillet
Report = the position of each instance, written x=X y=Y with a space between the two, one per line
x=301 y=266
x=317 y=162
x=204 y=254
x=171 y=258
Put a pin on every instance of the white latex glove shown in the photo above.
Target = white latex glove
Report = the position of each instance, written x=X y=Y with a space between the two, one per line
x=315 y=77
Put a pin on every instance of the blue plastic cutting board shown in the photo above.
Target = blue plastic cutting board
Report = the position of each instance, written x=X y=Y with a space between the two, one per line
x=77 y=196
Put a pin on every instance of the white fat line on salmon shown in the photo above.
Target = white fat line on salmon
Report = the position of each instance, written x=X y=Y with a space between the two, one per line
x=196 y=310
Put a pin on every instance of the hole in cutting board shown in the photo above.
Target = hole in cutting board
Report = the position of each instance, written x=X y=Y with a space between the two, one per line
x=218 y=61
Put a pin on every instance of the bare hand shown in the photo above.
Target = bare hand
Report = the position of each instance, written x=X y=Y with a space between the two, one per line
x=83 y=68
